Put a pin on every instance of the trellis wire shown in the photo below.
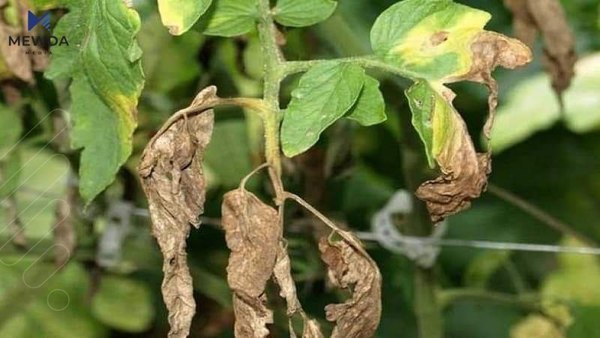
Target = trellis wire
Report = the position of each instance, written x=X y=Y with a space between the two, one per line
x=443 y=242
x=490 y=245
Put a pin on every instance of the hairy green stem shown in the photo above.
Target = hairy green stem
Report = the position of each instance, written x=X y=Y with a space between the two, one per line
x=273 y=75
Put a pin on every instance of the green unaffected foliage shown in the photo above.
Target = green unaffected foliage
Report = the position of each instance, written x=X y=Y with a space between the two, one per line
x=293 y=13
x=325 y=93
x=231 y=17
x=103 y=61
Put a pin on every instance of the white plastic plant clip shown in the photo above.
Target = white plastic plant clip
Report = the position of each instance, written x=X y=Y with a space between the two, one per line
x=423 y=251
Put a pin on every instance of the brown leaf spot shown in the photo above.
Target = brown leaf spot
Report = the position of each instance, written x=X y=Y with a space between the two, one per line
x=438 y=38
x=352 y=269
x=252 y=233
x=172 y=178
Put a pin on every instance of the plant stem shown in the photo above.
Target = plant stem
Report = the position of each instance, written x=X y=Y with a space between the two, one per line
x=427 y=309
x=527 y=302
x=273 y=75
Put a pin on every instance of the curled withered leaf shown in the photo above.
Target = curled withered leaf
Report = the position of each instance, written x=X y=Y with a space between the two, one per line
x=172 y=179
x=488 y=51
x=547 y=17
x=464 y=171
x=283 y=277
x=252 y=233
x=350 y=268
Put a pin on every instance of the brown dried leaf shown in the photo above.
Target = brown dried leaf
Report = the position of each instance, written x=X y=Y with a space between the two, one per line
x=172 y=178
x=283 y=277
x=352 y=269
x=311 y=329
x=464 y=171
x=490 y=50
x=547 y=17
x=252 y=233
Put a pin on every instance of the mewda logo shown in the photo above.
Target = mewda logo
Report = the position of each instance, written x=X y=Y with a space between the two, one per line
x=34 y=20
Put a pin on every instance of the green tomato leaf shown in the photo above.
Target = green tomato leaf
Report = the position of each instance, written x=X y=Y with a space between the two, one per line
x=231 y=17
x=294 y=13
x=324 y=94
x=124 y=304
x=395 y=22
x=180 y=15
x=370 y=107
x=422 y=103
x=103 y=60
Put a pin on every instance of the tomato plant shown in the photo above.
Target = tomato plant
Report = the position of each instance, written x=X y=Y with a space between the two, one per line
x=111 y=63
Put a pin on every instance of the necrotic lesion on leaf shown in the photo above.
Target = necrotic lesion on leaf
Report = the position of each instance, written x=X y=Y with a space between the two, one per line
x=252 y=233
x=172 y=178
x=464 y=172
x=547 y=18
x=282 y=273
x=351 y=268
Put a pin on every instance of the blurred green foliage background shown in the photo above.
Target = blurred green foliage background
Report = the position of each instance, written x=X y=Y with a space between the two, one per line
x=111 y=287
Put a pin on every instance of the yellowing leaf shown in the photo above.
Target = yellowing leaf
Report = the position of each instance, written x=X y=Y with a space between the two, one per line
x=464 y=172
x=180 y=15
x=438 y=42
x=436 y=46
x=103 y=60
